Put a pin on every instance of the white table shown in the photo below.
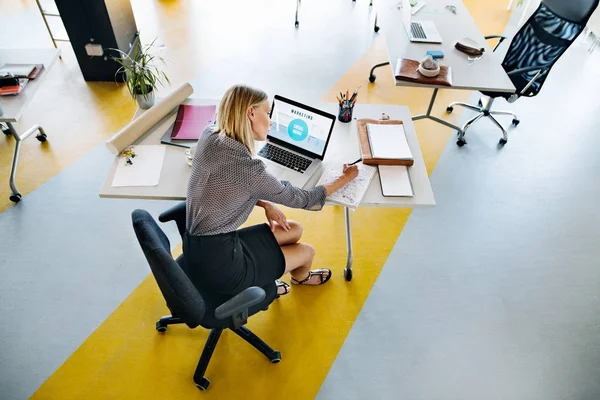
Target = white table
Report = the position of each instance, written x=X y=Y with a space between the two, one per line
x=13 y=107
x=485 y=74
x=343 y=147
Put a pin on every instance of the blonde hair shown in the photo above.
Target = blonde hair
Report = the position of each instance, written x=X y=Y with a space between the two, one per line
x=232 y=115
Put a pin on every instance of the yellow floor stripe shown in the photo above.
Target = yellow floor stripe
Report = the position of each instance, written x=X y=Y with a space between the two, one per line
x=126 y=358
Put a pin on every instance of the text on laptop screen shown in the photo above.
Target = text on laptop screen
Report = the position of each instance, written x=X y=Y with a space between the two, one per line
x=299 y=127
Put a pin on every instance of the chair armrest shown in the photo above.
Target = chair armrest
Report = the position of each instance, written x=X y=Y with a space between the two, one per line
x=526 y=69
x=177 y=214
x=540 y=71
x=502 y=39
x=240 y=302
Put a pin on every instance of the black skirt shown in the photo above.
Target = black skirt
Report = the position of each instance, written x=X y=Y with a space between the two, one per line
x=228 y=263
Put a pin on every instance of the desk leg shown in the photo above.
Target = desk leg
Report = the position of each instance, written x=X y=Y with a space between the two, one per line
x=41 y=136
x=436 y=119
x=348 y=269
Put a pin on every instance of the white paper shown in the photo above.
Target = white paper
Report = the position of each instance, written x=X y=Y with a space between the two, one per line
x=351 y=194
x=395 y=181
x=146 y=167
x=388 y=141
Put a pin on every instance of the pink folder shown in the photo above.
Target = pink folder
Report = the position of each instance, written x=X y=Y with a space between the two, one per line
x=191 y=121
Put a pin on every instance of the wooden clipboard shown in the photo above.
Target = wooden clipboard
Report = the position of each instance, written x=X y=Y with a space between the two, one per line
x=365 y=147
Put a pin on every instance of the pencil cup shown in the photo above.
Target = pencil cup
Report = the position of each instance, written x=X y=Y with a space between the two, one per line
x=345 y=113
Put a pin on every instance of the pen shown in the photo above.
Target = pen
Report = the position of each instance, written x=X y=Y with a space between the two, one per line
x=357 y=161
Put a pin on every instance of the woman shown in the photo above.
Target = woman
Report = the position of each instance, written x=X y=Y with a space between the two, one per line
x=226 y=183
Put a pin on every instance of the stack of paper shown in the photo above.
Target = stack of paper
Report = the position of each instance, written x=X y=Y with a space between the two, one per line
x=388 y=142
x=395 y=181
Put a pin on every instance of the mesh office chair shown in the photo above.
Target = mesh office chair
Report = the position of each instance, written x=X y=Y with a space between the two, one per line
x=188 y=306
x=540 y=42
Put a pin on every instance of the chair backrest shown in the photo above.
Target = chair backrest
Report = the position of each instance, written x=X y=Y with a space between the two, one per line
x=544 y=37
x=182 y=297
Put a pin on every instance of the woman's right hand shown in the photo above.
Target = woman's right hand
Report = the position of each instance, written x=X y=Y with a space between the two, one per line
x=349 y=172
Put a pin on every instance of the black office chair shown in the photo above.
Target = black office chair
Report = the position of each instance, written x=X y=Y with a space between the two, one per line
x=189 y=307
x=538 y=44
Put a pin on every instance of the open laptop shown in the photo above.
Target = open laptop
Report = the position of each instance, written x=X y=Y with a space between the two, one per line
x=297 y=141
x=419 y=31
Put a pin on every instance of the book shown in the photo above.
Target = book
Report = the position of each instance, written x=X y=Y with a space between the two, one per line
x=191 y=121
x=389 y=142
x=166 y=139
x=14 y=90
x=29 y=71
x=365 y=146
x=406 y=70
x=351 y=194
x=395 y=181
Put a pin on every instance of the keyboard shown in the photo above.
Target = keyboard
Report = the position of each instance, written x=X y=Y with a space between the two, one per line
x=285 y=158
x=417 y=30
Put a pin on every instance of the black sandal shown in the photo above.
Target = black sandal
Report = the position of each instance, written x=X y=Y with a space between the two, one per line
x=284 y=285
x=311 y=273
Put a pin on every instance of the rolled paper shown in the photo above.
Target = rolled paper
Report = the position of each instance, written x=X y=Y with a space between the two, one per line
x=137 y=127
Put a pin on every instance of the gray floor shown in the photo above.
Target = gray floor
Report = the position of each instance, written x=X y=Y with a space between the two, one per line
x=493 y=294
x=69 y=258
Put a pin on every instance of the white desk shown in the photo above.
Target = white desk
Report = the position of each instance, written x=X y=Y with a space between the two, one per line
x=343 y=147
x=13 y=106
x=485 y=74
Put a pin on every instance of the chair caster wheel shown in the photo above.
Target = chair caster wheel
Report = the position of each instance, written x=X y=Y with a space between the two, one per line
x=6 y=131
x=203 y=384
x=460 y=142
x=372 y=78
x=296 y=24
x=41 y=137
x=515 y=122
x=479 y=103
x=348 y=274
x=502 y=142
x=276 y=358
x=15 y=197
x=160 y=327
x=376 y=29
x=449 y=109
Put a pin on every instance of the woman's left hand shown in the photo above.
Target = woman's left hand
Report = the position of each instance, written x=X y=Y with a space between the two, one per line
x=274 y=214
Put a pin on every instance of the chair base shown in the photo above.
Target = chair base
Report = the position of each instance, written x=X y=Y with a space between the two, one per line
x=482 y=111
x=211 y=343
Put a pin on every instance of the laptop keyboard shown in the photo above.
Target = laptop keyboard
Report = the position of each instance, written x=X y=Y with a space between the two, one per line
x=285 y=158
x=417 y=30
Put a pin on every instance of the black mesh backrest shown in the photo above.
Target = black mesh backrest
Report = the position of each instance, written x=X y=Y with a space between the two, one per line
x=543 y=38
x=181 y=295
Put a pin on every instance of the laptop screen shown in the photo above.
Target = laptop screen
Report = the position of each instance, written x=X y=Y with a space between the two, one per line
x=303 y=127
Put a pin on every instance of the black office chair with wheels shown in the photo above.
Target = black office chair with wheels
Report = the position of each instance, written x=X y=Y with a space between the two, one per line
x=188 y=306
x=533 y=51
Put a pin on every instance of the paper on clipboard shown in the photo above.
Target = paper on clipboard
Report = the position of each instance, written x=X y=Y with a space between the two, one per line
x=145 y=168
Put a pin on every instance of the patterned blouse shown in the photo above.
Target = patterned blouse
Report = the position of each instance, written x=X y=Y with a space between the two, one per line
x=226 y=182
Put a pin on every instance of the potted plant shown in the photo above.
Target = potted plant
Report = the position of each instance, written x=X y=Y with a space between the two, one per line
x=141 y=73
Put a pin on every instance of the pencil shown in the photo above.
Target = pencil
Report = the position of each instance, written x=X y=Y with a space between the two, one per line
x=355 y=162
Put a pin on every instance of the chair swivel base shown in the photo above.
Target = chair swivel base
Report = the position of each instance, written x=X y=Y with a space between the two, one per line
x=211 y=343
x=482 y=111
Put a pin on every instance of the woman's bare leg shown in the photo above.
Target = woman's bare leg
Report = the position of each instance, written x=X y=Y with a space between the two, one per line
x=288 y=237
x=298 y=256
x=298 y=260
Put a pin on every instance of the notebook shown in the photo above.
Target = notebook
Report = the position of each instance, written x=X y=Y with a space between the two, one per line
x=388 y=142
x=351 y=194
x=395 y=181
x=191 y=121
